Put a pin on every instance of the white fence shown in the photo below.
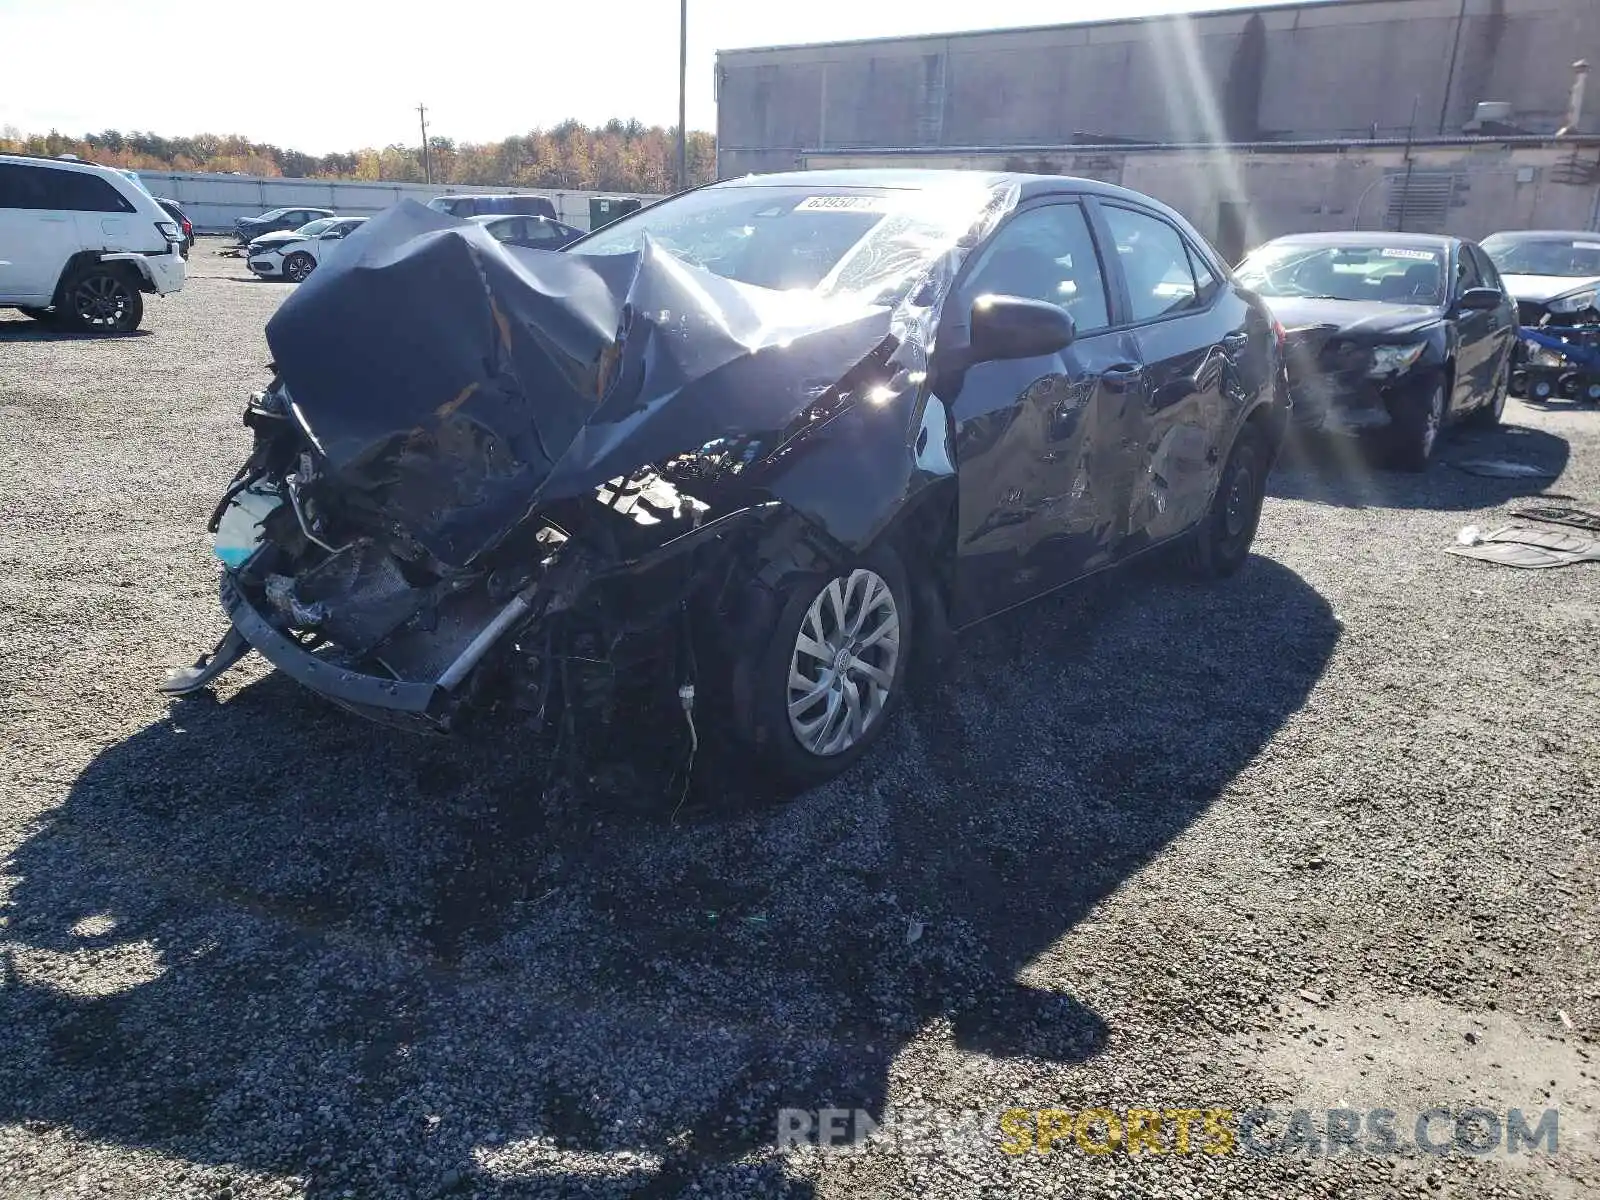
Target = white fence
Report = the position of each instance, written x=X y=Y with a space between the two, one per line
x=214 y=202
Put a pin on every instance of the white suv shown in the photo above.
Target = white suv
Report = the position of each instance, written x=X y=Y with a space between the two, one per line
x=80 y=243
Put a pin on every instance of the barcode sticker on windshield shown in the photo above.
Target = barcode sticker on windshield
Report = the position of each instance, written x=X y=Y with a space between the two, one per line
x=1586 y=245
x=846 y=204
x=1419 y=255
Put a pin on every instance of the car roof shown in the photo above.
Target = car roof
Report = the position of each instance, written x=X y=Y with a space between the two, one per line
x=1552 y=234
x=926 y=178
x=66 y=164
x=1418 y=241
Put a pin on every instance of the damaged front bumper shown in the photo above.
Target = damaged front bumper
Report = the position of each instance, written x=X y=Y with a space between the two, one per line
x=1350 y=408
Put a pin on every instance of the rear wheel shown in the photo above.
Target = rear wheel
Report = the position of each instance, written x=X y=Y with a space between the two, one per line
x=298 y=266
x=834 y=671
x=101 y=298
x=1220 y=544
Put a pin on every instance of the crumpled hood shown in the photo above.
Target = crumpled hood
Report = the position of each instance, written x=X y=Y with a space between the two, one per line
x=273 y=240
x=1541 y=289
x=1354 y=318
x=460 y=383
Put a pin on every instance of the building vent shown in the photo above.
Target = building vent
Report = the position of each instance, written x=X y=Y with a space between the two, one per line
x=1421 y=202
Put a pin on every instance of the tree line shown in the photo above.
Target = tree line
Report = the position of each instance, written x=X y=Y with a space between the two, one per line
x=619 y=156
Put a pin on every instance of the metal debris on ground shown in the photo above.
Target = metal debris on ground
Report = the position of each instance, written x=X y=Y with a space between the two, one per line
x=1561 y=514
x=1503 y=468
x=1529 y=549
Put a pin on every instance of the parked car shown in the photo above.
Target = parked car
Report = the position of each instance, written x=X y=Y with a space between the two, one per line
x=1553 y=275
x=472 y=206
x=247 y=229
x=1390 y=335
x=174 y=210
x=765 y=443
x=536 y=233
x=83 y=245
x=294 y=254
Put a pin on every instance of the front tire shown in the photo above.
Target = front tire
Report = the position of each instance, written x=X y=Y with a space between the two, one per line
x=1418 y=424
x=834 y=671
x=1220 y=544
x=101 y=298
x=298 y=266
x=1490 y=415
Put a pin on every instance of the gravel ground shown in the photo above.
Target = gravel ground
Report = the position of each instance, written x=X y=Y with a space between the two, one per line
x=1323 y=835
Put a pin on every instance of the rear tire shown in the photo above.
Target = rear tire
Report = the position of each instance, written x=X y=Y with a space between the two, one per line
x=1220 y=544
x=298 y=266
x=834 y=672
x=101 y=298
x=1417 y=426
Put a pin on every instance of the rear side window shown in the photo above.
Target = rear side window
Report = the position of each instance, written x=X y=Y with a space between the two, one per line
x=1155 y=262
x=1205 y=282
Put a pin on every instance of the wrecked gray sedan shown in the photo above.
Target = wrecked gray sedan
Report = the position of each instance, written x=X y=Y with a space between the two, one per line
x=756 y=447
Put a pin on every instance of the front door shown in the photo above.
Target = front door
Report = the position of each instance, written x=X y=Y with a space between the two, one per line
x=1041 y=443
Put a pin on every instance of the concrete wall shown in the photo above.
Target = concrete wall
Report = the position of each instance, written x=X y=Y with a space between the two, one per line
x=213 y=202
x=1307 y=71
x=1490 y=186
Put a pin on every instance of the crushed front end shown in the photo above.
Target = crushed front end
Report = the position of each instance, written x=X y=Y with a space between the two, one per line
x=593 y=597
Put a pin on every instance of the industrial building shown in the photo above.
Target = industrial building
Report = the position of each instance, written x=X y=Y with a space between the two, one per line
x=1464 y=115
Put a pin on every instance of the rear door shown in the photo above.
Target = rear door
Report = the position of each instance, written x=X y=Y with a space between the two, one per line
x=37 y=233
x=1193 y=336
x=1041 y=443
x=105 y=218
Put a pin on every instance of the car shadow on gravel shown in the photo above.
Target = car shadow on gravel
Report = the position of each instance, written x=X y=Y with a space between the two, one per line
x=1336 y=470
x=28 y=330
x=266 y=936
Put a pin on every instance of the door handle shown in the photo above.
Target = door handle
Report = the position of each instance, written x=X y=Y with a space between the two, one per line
x=1122 y=375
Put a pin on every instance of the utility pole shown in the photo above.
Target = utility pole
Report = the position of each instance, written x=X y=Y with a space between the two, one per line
x=427 y=166
x=683 y=91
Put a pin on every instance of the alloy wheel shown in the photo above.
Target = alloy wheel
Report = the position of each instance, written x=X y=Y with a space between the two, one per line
x=100 y=301
x=1432 y=421
x=843 y=666
x=299 y=267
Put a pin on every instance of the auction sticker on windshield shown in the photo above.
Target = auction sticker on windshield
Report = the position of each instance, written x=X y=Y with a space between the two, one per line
x=1419 y=255
x=845 y=204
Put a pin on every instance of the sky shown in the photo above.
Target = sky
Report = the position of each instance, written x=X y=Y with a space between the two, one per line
x=352 y=73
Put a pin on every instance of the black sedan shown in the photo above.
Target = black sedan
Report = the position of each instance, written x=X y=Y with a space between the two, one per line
x=247 y=229
x=174 y=210
x=743 y=455
x=532 y=232
x=1392 y=335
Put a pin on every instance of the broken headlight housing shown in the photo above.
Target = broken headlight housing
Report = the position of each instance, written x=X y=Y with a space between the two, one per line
x=1394 y=360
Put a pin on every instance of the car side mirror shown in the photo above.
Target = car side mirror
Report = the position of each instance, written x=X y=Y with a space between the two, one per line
x=1480 y=299
x=1005 y=327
